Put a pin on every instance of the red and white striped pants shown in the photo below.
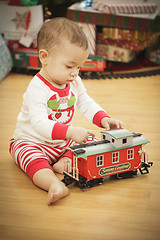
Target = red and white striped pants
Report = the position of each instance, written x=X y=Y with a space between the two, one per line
x=31 y=156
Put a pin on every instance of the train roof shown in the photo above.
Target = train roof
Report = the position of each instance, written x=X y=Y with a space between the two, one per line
x=93 y=148
x=119 y=133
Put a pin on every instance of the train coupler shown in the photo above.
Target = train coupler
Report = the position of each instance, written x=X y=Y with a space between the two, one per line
x=145 y=166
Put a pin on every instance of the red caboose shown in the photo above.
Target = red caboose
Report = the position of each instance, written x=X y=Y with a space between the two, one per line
x=119 y=153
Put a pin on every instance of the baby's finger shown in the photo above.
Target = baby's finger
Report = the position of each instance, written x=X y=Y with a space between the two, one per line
x=121 y=124
x=90 y=132
x=117 y=124
x=107 y=127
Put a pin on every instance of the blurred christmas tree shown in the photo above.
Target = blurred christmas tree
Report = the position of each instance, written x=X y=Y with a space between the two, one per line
x=58 y=8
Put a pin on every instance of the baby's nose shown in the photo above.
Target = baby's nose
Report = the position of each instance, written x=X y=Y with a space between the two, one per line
x=75 y=72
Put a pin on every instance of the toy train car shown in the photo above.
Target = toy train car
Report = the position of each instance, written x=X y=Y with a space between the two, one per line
x=119 y=153
x=27 y=58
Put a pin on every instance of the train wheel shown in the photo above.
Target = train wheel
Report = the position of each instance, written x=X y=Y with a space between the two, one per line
x=83 y=185
x=95 y=182
x=67 y=180
x=128 y=174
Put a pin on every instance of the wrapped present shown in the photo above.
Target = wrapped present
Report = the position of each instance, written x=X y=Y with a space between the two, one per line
x=13 y=44
x=153 y=53
x=129 y=44
x=113 y=53
x=135 y=46
x=5 y=59
x=90 y=31
x=155 y=56
x=78 y=13
x=124 y=7
x=20 y=24
x=124 y=34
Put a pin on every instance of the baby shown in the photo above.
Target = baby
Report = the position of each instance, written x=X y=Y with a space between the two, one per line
x=44 y=128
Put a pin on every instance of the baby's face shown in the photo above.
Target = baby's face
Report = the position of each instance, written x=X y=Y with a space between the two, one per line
x=64 y=64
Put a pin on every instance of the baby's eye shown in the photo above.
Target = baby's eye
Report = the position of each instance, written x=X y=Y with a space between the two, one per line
x=67 y=66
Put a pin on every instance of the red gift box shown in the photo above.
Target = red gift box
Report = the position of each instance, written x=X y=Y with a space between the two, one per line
x=78 y=13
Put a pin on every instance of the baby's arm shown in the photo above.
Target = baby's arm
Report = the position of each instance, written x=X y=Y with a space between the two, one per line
x=111 y=123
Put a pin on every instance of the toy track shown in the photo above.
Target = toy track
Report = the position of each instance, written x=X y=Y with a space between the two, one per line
x=100 y=75
x=111 y=75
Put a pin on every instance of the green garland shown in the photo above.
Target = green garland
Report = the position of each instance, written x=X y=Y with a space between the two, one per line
x=29 y=2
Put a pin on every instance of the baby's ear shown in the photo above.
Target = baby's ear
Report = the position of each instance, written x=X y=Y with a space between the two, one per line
x=43 y=56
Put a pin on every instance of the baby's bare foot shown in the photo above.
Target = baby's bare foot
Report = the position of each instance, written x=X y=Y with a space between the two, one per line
x=56 y=192
x=60 y=165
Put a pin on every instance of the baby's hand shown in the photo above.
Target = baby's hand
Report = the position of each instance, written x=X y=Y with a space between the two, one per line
x=79 y=134
x=111 y=123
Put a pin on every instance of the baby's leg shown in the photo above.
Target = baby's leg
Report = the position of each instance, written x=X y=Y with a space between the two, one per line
x=59 y=166
x=47 y=180
x=35 y=164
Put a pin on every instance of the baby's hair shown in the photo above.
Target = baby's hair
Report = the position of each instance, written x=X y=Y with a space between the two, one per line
x=54 y=31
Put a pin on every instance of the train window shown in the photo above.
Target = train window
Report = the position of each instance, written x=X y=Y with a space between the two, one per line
x=124 y=140
x=130 y=154
x=115 y=157
x=100 y=160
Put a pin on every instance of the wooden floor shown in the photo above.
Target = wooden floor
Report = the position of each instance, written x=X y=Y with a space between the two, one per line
x=118 y=209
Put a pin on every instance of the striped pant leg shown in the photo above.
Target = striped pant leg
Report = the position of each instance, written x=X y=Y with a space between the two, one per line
x=31 y=157
x=90 y=139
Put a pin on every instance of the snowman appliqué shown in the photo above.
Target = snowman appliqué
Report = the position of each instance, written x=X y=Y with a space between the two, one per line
x=62 y=108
